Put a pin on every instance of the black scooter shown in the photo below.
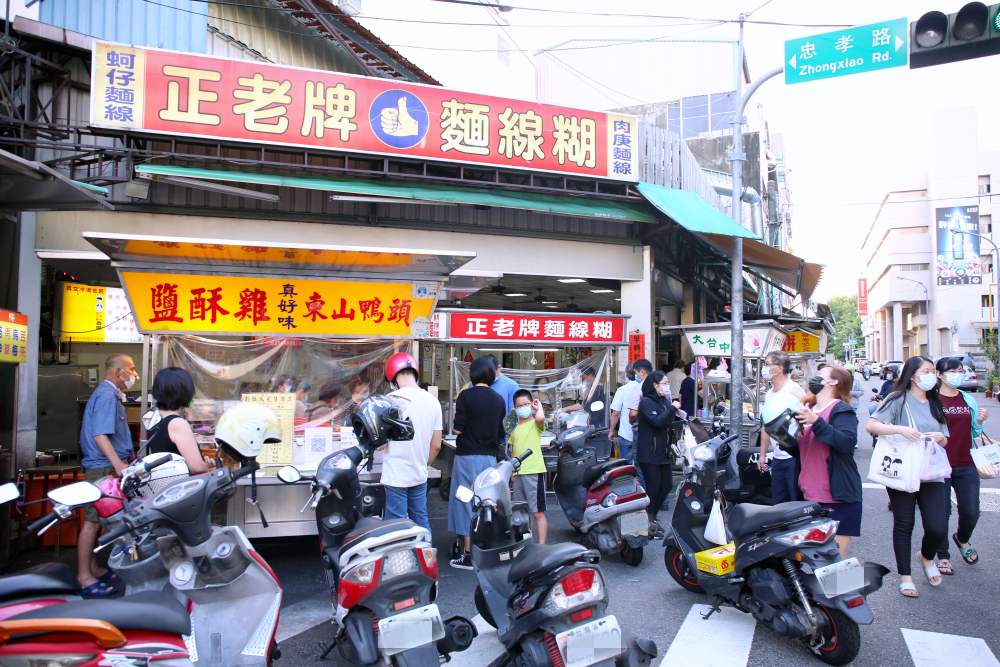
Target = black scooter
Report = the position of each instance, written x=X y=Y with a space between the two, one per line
x=787 y=570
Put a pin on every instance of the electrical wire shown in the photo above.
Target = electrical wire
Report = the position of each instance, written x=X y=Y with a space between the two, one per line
x=123 y=317
x=911 y=201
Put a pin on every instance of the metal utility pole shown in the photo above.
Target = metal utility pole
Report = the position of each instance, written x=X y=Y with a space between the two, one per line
x=927 y=310
x=737 y=157
x=996 y=267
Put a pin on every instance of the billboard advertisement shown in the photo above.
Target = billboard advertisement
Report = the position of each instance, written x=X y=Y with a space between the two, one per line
x=957 y=261
x=862 y=297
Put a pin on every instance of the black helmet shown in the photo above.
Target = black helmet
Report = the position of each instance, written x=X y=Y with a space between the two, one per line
x=779 y=420
x=378 y=420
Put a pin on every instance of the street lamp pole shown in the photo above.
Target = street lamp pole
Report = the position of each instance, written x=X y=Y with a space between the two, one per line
x=927 y=310
x=996 y=267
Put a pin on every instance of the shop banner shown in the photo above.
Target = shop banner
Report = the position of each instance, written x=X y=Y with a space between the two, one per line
x=13 y=337
x=958 y=261
x=536 y=328
x=636 y=347
x=862 y=297
x=193 y=303
x=203 y=96
x=757 y=342
x=802 y=342
x=95 y=314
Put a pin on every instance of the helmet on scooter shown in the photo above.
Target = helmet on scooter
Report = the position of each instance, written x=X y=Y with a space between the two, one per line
x=244 y=429
x=378 y=420
x=112 y=499
x=778 y=416
x=398 y=362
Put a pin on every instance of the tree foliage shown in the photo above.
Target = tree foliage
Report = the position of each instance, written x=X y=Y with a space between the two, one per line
x=848 y=324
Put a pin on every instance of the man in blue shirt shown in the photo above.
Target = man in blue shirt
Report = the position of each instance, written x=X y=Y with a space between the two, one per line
x=503 y=385
x=106 y=447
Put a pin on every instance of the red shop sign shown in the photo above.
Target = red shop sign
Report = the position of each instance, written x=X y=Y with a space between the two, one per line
x=542 y=328
x=636 y=347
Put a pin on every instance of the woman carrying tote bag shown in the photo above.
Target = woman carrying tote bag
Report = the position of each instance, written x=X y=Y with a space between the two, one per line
x=913 y=410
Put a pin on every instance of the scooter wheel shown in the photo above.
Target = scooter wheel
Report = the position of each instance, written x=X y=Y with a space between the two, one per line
x=680 y=571
x=631 y=555
x=841 y=637
x=481 y=607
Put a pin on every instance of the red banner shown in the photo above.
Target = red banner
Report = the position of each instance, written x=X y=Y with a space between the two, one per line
x=202 y=96
x=528 y=328
x=636 y=347
x=862 y=297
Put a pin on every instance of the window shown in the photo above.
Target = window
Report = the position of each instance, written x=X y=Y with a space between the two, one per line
x=987 y=264
x=986 y=224
x=984 y=184
x=986 y=300
x=914 y=267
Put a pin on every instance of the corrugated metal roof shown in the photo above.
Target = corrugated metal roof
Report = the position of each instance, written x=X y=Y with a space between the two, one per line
x=168 y=24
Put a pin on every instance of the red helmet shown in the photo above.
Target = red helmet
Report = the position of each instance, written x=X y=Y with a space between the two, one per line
x=398 y=362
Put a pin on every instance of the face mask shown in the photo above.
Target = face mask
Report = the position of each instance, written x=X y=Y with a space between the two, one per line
x=954 y=379
x=131 y=380
x=523 y=412
x=816 y=384
x=766 y=372
x=927 y=381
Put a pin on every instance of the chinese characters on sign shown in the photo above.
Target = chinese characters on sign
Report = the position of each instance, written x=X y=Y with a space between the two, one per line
x=757 y=341
x=196 y=95
x=847 y=51
x=248 y=304
x=862 y=297
x=13 y=337
x=95 y=314
x=636 y=347
x=520 y=327
x=283 y=405
x=799 y=342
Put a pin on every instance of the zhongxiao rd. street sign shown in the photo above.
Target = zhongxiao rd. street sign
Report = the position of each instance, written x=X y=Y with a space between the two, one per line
x=847 y=51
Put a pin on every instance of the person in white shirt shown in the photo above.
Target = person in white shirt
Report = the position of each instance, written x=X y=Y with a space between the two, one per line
x=784 y=467
x=676 y=377
x=404 y=469
x=624 y=401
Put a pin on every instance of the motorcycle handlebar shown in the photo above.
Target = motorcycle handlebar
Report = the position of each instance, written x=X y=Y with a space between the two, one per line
x=149 y=466
x=38 y=524
x=518 y=460
x=119 y=531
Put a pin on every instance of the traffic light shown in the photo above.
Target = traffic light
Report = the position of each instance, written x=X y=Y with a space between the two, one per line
x=972 y=32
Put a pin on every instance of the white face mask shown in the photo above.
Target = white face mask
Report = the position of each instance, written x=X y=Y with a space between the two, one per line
x=954 y=379
x=766 y=372
x=131 y=380
x=927 y=381
x=523 y=412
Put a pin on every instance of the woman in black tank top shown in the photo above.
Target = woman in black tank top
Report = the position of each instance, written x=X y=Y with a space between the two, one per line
x=173 y=389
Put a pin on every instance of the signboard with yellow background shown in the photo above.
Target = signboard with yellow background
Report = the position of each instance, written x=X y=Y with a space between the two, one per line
x=95 y=314
x=13 y=337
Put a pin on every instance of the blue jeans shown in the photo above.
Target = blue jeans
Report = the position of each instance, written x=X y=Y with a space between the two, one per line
x=411 y=502
x=626 y=450
x=784 y=481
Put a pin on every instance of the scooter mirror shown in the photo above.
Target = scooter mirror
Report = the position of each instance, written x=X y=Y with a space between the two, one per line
x=9 y=492
x=75 y=495
x=289 y=474
x=464 y=494
x=597 y=406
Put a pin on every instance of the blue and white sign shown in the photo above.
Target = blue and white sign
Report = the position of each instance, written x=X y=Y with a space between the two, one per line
x=399 y=119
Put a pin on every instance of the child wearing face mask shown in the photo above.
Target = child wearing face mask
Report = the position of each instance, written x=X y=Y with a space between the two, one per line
x=529 y=482
x=965 y=424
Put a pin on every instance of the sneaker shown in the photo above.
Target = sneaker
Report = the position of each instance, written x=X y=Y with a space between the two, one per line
x=463 y=563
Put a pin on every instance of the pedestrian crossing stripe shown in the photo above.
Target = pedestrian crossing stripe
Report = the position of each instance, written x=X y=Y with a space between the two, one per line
x=932 y=649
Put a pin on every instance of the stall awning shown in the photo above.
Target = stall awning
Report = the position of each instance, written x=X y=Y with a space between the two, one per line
x=28 y=184
x=783 y=267
x=691 y=212
x=399 y=192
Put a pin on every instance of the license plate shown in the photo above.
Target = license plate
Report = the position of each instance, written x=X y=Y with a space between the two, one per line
x=634 y=523
x=410 y=629
x=590 y=643
x=842 y=577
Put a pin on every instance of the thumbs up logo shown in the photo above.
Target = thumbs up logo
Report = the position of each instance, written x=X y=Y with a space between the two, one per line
x=399 y=119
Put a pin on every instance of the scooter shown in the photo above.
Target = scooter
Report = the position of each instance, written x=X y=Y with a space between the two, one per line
x=603 y=501
x=233 y=598
x=382 y=575
x=548 y=603
x=786 y=570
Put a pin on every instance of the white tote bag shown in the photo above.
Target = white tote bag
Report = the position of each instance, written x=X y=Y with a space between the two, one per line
x=986 y=456
x=897 y=461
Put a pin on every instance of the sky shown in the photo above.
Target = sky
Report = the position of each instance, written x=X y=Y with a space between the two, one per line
x=848 y=140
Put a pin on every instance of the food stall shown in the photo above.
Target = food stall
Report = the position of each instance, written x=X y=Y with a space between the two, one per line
x=303 y=329
x=708 y=341
x=544 y=352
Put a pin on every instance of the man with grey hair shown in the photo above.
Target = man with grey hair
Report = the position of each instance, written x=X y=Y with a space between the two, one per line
x=784 y=467
x=105 y=448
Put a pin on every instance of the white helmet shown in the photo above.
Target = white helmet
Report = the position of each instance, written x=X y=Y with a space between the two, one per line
x=244 y=429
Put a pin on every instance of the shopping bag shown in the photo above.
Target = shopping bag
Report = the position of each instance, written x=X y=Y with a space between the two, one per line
x=896 y=463
x=715 y=529
x=986 y=456
x=935 y=466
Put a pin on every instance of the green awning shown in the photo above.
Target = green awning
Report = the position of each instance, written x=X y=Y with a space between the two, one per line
x=411 y=193
x=690 y=211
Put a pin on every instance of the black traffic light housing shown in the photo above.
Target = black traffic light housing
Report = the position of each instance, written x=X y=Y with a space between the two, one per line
x=971 y=32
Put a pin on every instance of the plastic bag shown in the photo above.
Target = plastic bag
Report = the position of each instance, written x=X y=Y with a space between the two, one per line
x=715 y=529
x=935 y=463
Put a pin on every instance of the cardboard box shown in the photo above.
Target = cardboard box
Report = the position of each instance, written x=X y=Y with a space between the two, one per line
x=718 y=561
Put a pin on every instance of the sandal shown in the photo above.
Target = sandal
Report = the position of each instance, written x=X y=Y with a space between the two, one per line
x=98 y=589
x=111 y=579
x=930 y=571
x=908 y=590
x=968 y=552
x=945 y=568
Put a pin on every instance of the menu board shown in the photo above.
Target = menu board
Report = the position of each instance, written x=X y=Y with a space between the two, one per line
x=283 y=405
x=13 y=337
x=95 y=314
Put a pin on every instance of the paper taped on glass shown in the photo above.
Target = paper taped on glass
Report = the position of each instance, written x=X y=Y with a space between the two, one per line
x=283 y=405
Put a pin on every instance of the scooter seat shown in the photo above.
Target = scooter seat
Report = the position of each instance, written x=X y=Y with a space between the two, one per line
x=747 y=519
x=539 y=559
x=44 y=579
x=372 y=526
x=595 y=471
x=152 y=611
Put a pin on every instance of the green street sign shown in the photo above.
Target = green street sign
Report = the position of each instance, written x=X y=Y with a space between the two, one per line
x=848 y=51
